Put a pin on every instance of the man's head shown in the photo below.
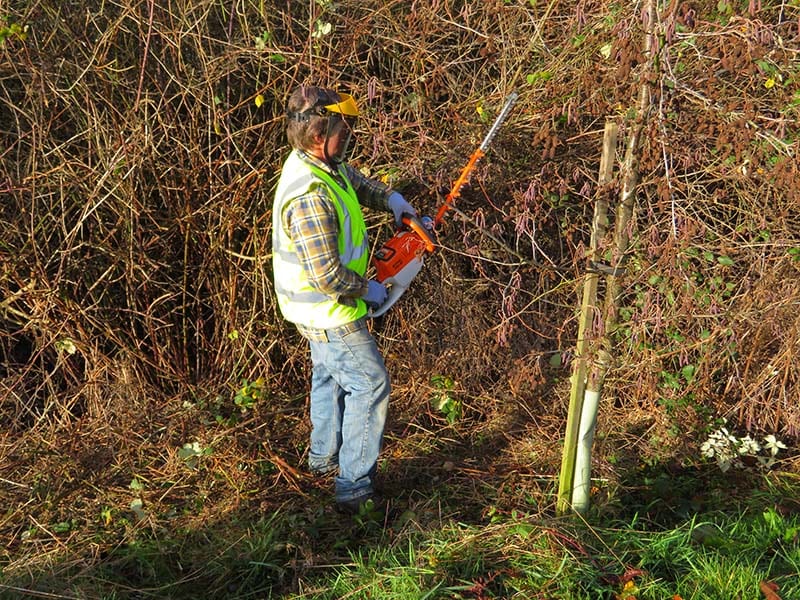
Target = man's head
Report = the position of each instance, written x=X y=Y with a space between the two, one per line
x=320 y=121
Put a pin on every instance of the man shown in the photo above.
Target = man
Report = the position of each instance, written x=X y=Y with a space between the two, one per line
x=320 y=257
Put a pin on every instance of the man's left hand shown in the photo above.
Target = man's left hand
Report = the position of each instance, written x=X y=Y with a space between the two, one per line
x=399 y=207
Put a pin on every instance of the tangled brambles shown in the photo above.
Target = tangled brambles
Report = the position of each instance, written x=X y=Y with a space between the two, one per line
x=139 y=145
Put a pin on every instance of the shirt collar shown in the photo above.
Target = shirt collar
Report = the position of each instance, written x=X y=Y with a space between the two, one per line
x=321 y=164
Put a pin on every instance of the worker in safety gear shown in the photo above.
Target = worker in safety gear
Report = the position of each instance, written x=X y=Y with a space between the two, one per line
x=320 y=257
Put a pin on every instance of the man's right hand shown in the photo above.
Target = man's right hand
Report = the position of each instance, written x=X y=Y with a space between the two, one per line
x=376 y=294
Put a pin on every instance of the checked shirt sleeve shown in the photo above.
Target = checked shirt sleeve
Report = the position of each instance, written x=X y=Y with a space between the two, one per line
x=312 y=224
x=371 y=193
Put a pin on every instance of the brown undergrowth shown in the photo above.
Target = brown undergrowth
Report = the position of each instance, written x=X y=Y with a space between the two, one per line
x=140 y=144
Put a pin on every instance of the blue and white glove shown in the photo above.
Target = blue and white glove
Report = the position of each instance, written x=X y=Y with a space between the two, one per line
x=399 y=205
x=376 y=294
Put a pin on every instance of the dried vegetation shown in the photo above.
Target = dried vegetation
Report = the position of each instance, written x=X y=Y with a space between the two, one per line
x=139 y=144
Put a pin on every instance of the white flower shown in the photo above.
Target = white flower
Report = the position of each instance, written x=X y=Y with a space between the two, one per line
x=773 y=444
x=749 y=446
x=726 y=449
x=707 y=449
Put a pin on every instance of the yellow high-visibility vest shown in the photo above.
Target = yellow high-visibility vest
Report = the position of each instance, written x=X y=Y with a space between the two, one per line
x=299 y=302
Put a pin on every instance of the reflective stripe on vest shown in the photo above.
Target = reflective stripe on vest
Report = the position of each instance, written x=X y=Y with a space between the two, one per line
x=299 y=302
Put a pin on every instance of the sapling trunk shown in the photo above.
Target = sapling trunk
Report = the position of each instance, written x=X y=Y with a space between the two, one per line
x=593 y=358
x=588 y=312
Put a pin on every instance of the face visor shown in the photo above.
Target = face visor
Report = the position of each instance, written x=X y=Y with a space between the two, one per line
x=342 y=116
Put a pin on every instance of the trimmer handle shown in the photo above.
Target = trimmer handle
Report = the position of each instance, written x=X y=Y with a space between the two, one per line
x=396 y=286
x=394 y=293
x=415 y=224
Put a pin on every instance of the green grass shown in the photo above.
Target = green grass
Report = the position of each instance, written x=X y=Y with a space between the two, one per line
x=717 y=557
x=723 y=553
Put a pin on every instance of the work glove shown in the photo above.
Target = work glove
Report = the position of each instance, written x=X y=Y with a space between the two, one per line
x=376 y=294
x=399 y=205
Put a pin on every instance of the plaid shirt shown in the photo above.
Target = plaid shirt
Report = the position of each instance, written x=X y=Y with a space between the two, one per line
x=312 y=224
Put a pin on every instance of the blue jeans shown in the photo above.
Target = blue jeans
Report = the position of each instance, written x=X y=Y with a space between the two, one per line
x=349 y=402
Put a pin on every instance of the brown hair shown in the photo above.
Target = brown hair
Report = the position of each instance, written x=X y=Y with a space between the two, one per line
x=303 y=134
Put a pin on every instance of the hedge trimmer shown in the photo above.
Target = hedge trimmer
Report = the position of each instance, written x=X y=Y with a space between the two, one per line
x=400 y=259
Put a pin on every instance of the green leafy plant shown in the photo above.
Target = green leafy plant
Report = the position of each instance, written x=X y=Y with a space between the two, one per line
x=106 y=516
x=250 y=393
x=66 y=346
x=190 y=454
x=262 y=40
x=321 y=29
x=724 y=10
x=10 y=30
x=538 y=77
x=444 y=399
x=63 y=526
x=368 y=514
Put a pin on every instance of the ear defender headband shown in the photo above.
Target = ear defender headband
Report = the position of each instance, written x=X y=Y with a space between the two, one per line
x=346 y=107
